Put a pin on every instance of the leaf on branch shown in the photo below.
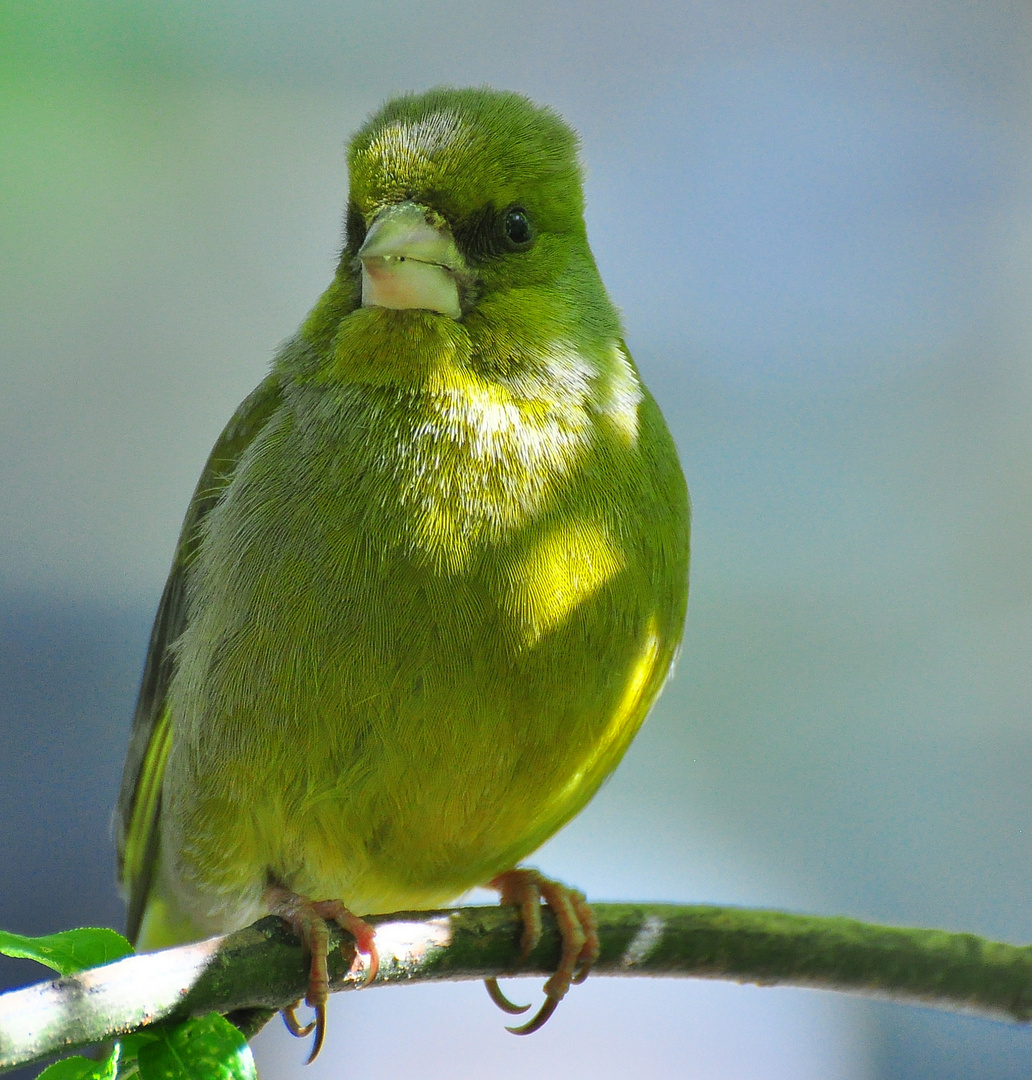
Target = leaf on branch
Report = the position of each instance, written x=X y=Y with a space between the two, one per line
x=80 y=1068
x=209 y=1046
x=70 y=950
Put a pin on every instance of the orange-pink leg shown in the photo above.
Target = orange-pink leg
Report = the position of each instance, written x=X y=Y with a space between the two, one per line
x=526 y=889
x=308 y=919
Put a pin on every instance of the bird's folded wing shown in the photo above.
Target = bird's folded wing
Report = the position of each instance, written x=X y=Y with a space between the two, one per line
x=139 y=801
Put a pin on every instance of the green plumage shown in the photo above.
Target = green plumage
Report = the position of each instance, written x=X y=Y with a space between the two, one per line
x=435 y=571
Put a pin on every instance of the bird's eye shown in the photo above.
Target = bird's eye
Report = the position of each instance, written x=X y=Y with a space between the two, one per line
x=517 y=227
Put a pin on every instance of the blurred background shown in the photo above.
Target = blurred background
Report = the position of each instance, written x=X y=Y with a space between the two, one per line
x=816 y=219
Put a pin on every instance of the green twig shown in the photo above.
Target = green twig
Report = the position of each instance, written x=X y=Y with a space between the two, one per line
x=260 y=969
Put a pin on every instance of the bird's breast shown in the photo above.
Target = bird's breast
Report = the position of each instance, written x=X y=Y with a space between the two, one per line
x=429 y=628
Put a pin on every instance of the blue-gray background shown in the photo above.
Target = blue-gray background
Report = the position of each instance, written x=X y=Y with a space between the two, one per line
x=816 y=219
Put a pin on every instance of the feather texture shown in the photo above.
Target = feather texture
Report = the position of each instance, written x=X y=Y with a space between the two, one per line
x=435 y=572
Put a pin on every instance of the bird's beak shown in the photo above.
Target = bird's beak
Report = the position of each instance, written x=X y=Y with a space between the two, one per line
x=407 y=262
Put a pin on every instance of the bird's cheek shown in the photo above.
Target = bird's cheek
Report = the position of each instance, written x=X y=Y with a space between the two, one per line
x=402 y=283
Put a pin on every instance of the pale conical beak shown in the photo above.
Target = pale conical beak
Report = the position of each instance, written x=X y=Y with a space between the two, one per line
x=409 y=263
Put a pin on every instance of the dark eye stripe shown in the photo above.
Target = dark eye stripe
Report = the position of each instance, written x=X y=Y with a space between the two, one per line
x=489 y=233
x=354 y=228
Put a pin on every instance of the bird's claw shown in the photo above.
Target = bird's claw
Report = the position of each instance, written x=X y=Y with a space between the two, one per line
x=538 y=1020
x=494 y=991
x=309 y=920
x=526 y=889
x=289 y=1014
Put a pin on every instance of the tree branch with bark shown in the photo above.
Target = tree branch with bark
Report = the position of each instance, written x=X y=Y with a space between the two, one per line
x=250 y=974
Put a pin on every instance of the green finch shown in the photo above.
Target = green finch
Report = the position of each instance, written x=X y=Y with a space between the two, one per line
x=432 y=577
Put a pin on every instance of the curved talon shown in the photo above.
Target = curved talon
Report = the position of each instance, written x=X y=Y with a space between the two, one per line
x=289 y=1014
x=538 y=1020
x=374 y=965
x=495 y=993
x=578 y=930
x=308 y=919
x=320 y=1031
x=359 y=929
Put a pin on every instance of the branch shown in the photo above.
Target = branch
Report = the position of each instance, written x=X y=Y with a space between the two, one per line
x=260 y=969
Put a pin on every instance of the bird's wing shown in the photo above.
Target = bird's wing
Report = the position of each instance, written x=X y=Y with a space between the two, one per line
x=139 y=801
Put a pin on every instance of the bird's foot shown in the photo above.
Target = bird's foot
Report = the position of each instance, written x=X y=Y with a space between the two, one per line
x=578 y=928
x=309 y=919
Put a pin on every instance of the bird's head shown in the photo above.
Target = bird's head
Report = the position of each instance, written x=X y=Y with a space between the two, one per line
x=459 y=194
x=467 y=204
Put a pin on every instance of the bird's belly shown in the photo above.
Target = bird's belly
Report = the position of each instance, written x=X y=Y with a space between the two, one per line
x=413 y=754
x=386 y=698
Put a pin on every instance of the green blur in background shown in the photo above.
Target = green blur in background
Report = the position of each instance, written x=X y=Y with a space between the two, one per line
x=816 y=221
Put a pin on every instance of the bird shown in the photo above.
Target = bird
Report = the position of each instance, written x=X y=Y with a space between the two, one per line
x=433 y=575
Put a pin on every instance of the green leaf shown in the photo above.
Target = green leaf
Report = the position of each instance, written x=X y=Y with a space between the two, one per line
x=209 y=1047
x=81 y=1068
x=70 y=950
x=75 y=1068
x=130 y=1044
